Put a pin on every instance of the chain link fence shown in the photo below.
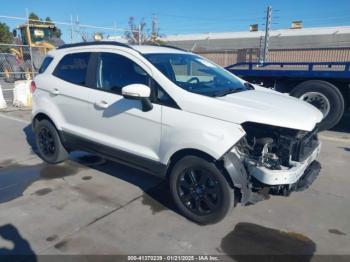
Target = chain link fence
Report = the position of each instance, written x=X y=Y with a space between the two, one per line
x=23 y=52
x=18 y=62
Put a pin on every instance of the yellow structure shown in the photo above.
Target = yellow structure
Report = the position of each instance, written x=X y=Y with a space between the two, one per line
x=37 y=38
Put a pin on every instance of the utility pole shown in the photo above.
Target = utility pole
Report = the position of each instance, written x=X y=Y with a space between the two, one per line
x=264 y=53
x=71 y=29
x=139 y=38
x=154 y=27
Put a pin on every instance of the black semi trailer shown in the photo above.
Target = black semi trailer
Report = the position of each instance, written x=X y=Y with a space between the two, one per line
x=325 y=85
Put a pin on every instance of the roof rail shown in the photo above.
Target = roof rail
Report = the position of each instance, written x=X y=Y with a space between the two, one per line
x=94 y=43
x=168 y=46
x=175 y=47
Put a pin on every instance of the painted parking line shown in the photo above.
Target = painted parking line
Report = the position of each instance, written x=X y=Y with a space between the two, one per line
x=14 y=119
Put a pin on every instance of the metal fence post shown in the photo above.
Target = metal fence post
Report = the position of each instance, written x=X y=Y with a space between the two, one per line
x=30 y=45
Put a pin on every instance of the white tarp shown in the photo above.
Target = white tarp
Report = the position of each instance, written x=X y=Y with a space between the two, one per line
x=2 y=100
x=22 y=96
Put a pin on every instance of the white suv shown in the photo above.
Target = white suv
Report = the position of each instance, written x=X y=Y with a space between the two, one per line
x=217 y=139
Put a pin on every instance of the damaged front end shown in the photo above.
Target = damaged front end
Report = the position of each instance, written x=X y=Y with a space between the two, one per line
x=273 y=160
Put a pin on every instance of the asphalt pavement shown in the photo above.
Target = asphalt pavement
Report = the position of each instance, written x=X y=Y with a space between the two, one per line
x=91 y=206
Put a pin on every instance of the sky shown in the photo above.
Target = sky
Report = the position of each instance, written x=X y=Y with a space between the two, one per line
x=184 y=17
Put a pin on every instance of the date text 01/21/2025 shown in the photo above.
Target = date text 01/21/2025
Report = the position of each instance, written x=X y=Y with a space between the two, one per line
x=173 y=258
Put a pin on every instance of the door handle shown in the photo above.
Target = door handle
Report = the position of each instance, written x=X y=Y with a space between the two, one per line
x=54 y=92
x=102 y=105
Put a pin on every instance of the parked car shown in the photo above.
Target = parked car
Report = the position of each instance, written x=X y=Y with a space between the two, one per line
x=217 y=139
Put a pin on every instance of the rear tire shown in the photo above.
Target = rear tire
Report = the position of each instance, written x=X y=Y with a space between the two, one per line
x=200 y=190
x=48 y=143
x=326 y=92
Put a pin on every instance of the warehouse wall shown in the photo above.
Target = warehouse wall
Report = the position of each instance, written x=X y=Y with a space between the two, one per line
x=225 y=58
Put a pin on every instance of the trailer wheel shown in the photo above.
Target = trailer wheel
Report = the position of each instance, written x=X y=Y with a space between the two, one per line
x=326 y=97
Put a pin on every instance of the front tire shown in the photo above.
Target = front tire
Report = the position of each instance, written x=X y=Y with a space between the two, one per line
x=200 y=190
x=48 y=143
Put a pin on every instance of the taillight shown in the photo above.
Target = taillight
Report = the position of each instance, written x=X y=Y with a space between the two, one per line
x=32 y=87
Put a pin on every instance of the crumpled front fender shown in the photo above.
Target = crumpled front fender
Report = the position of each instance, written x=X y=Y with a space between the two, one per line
x=240 y=179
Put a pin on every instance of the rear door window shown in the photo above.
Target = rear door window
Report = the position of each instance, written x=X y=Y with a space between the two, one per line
x=73 y=67
x=47 y=61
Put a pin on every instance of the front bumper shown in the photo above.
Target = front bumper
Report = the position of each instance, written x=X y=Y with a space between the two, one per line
x=285 y=176
x=297 y=178
x=308 y=177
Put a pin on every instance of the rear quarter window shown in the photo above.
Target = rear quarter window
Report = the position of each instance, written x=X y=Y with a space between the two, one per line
x=47 y=61
x=73 y=67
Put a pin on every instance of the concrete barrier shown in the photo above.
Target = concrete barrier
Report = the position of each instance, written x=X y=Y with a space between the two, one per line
x=22 y=96
x=2 y=100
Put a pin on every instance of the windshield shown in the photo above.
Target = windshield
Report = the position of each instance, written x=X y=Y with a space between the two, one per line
x=196 y=74
x=40 y=34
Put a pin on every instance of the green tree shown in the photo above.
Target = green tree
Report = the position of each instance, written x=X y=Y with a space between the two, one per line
x=48 y=21
x=33 y=16
x=6 y=37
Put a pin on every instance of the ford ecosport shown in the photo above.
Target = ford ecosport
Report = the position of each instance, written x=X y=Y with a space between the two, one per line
x=217 y=139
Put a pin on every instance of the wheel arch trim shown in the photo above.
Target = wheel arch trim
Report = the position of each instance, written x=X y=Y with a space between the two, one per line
x=38 y=116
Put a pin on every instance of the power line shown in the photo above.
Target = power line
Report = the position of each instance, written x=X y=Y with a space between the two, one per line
x=209 y=18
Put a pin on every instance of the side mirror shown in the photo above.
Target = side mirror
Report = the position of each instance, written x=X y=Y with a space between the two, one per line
x=138 y=92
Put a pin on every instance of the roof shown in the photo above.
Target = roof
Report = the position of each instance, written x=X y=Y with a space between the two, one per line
x=144 y=49
x=93 y=43
x=245 y=34
x=282 y=38
x=148 y=49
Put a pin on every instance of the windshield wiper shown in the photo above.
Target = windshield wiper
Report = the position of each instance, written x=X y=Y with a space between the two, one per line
x=230 y=91
x=249 y=86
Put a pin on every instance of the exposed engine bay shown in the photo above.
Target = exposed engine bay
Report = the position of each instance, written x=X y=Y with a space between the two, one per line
x=277 y=158
x=276 y=147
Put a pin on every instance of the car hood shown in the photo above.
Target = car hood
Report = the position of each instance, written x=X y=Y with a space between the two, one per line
x=260 y=106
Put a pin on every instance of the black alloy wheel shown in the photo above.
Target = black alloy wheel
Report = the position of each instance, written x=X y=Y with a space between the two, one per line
x=199 y=191
x=46 y=142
